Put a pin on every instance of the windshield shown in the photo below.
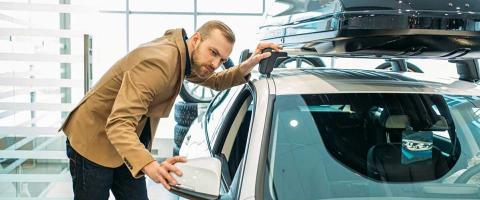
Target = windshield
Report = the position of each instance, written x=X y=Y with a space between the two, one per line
x=374 y=145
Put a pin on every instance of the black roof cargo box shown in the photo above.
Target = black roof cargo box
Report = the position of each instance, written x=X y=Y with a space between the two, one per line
x=442 y=29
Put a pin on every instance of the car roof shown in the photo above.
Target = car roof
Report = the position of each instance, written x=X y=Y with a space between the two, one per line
x=329 y=80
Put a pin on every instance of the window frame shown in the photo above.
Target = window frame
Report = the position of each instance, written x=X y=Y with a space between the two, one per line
x=221 y=132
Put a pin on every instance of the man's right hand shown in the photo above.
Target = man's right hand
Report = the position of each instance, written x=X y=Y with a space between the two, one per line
x=160 y=173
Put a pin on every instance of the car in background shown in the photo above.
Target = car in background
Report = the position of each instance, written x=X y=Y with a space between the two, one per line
x=314 y=132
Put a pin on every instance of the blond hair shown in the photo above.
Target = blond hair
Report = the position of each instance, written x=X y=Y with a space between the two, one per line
x=209 y=26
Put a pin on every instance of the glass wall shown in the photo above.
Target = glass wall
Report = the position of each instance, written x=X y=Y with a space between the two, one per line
x=41 y=79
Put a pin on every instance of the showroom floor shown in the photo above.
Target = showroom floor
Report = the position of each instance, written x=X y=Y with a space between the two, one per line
x=156 y=191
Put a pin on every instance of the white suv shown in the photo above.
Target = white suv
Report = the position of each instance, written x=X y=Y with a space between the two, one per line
x=323 y=133
x=319 y=133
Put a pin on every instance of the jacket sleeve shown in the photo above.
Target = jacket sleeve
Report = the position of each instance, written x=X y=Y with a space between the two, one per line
x=139 y=86
x=222 y=80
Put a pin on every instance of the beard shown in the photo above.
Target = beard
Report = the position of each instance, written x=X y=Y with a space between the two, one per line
x=197 y=66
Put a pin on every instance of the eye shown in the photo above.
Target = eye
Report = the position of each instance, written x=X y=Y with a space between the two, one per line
x=213 y=52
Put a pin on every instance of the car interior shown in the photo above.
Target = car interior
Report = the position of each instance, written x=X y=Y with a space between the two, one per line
x=370 y=138
x=385 y=161
x=373 y=144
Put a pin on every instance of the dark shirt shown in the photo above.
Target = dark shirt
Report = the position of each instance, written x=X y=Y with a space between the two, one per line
x=188 y=67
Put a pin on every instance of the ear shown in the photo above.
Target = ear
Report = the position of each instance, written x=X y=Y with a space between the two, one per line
x=196 y=38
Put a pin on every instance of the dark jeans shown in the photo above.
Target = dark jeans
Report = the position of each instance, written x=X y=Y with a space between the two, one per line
x=92 y=181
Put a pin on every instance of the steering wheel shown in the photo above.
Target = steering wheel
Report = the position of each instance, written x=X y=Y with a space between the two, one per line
x=468 y=174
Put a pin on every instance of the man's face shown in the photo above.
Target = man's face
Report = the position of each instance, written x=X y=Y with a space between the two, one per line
x=210 y=53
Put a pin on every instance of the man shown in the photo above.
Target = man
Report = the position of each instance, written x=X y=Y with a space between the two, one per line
x=110 y=132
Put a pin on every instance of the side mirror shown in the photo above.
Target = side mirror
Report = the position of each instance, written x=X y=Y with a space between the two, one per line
x=200 y=180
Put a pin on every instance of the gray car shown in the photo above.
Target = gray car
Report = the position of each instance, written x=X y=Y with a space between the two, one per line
x=323 y=133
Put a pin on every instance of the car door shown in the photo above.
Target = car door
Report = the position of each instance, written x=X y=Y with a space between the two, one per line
x=231 y=139
x=195 y=144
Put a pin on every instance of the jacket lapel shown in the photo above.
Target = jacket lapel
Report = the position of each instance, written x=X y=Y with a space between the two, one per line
x=182 y=50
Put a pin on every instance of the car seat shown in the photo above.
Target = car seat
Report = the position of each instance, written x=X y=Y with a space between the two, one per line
x=384 y=161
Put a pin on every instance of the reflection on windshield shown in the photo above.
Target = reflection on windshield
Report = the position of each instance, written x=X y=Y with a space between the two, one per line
x=364 y=145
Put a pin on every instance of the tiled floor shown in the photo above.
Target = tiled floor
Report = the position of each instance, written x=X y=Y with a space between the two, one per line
x=63 y=190
x=157 y=191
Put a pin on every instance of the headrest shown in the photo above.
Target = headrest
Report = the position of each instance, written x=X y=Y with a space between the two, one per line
x=440 y=125
x=397 y=122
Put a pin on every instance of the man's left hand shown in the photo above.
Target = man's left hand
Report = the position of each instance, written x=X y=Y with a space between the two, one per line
x=247 y=65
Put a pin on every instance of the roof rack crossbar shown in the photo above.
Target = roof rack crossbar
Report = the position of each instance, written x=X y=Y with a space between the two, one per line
x=468 y=69
x=267 y=64
x=398 y=65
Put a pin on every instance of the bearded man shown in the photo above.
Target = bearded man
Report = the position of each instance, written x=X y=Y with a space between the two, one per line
x=110 y=132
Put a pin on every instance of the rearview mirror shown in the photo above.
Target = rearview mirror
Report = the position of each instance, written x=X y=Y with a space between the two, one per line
x=200 y=180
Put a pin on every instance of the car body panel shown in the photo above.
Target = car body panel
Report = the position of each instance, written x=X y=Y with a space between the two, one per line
x=303 y=81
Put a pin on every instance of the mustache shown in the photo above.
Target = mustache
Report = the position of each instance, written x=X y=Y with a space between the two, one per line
x=210 y=68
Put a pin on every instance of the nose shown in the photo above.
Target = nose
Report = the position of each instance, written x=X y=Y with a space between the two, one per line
x=216 y=63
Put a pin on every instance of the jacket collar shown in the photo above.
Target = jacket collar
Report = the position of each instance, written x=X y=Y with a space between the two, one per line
x=178 y=36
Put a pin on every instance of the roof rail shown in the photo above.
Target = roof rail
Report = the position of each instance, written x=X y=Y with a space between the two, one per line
x=299 y=51
x=468 y=69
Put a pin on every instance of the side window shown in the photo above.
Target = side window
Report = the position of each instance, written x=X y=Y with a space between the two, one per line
x=234 y=146
x=216 y=110
x=232 y=137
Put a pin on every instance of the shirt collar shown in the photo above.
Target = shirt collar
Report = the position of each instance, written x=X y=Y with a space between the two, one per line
x=188 y=66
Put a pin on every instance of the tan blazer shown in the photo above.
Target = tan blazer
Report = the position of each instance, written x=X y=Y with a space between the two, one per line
x=106 y=125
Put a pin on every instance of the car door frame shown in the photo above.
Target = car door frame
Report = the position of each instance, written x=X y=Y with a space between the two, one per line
x=222 y=130
x=252 y=173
